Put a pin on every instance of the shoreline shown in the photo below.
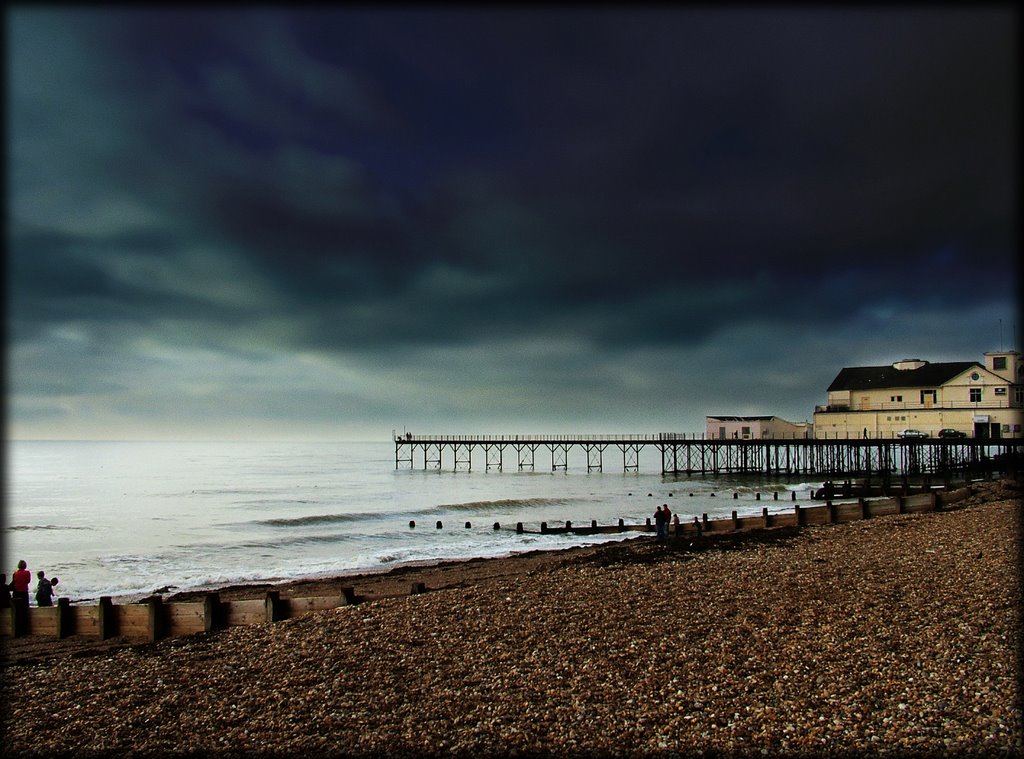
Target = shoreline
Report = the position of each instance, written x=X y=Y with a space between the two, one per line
x=364 y=574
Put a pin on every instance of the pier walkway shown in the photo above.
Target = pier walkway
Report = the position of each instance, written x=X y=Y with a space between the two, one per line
x=683 y=454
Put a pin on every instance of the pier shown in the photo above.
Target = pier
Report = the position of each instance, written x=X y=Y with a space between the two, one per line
x=683 y=454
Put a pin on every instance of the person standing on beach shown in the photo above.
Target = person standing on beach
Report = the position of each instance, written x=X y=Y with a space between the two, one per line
x=659 y=522
x=668 y=517
x=44 y=590
x=21 y=580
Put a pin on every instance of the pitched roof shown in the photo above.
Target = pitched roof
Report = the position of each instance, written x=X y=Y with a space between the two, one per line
x=877 y=377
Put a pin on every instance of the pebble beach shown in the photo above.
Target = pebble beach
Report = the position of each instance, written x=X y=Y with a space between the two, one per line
x=897 y=635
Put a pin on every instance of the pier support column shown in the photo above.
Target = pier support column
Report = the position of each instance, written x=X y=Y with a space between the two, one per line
x=595 y=458
x=630 y=457
x=525 y=453
x=492 y=455
x=559 y=456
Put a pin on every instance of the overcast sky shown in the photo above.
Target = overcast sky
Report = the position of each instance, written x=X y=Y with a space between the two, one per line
x=329 y=224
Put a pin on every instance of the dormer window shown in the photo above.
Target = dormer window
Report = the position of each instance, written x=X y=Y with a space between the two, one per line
x=998 y=362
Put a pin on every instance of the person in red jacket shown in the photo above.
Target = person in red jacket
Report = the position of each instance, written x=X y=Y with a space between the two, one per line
x=21 y=580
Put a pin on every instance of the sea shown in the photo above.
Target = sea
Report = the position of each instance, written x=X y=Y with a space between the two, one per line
x=129 y=519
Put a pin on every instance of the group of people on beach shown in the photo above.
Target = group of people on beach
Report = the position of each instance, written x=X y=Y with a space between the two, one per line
x=663 y=517
x=17 y=591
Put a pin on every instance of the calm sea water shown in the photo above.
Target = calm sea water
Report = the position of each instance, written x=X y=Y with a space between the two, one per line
x=127 y=518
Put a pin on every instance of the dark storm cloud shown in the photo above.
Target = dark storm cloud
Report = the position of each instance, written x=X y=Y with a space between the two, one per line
x=368 y=182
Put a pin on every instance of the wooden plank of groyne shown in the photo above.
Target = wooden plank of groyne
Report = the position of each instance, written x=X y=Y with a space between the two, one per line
x=921 y=502
x=813 y=515
x=86 y=620
x=297 y=606
x=132 y=620
x=784 y=520
x=847 y=512
x=42 y=621
x=884 y=507
x=248 y=612
x=6 y=623
x=186 y=618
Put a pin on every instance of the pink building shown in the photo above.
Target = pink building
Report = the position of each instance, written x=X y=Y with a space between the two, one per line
x=754 y=428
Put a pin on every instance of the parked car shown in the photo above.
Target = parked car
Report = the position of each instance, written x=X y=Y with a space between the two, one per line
x=947 y=432
x=911 y=434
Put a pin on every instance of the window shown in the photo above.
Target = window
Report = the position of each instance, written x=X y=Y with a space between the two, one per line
x=927 y=396
x=1000 y=391
x=999 y=362
x=896 y=398
x=746 y=432
x=975 y=394
x=1018 y=395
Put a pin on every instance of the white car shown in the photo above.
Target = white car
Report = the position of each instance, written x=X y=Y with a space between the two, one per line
x=911 y=434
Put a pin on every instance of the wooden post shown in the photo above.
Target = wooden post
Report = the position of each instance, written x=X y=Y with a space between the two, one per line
x=274 y=606
x=936 y=502
x=863 y=508
x=568 y=525
x=543 y=528
x=767 y=520
x=107 y=619
x=64 y=618
x=798 y=515
x=593 y=524
x=622 y=525
x=417 y=588
x=775 y=495
x=348 y=597
x=831 y=512
x=792 y=495
x=735 y=521
x=901 y=506
x=156 y=620
x=211 y=607
x=519 y=528
x=19 y=618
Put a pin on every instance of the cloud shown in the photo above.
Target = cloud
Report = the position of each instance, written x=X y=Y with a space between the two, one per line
x=520 y=214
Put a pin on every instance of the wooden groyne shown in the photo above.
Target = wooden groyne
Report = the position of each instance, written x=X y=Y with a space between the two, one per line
x=153 y=619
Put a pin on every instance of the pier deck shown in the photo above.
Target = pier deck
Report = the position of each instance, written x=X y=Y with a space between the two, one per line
x=682 y=454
